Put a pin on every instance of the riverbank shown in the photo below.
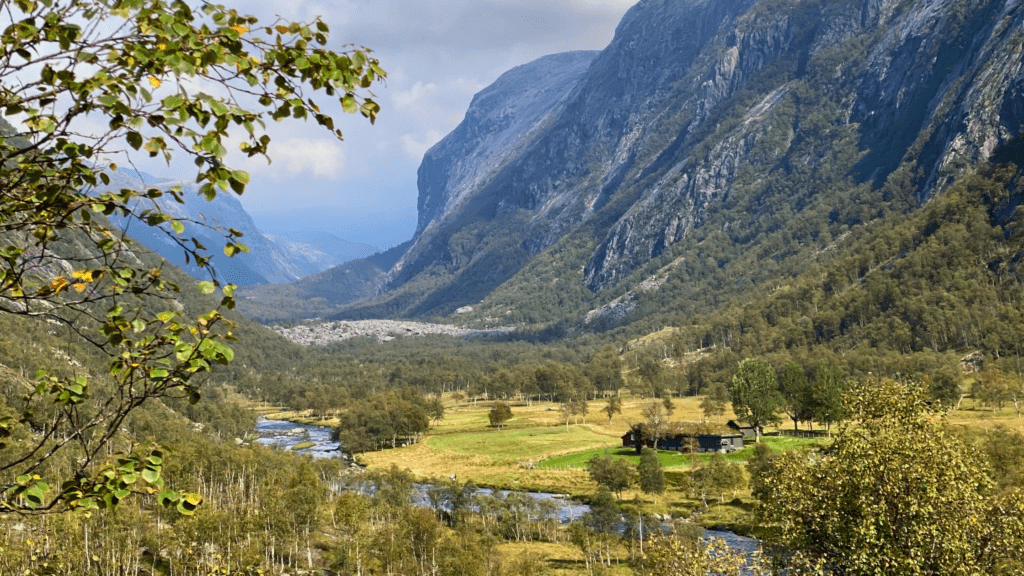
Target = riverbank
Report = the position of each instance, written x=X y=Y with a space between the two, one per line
x=536 y=452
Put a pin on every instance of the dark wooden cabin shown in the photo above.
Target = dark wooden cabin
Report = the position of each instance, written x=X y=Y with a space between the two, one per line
x=692 y=440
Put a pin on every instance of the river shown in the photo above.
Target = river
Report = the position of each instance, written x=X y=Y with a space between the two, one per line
x=284 y=435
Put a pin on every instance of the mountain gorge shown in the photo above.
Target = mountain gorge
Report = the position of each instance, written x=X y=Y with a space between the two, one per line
x=720 y=140
x=271 y=260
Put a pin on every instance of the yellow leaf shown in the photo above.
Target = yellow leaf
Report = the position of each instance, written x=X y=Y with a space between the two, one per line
x=79 y=287
x=154 y=81
x=162 y=46
x=240 y=29
x=282 y=29
x=83 y=275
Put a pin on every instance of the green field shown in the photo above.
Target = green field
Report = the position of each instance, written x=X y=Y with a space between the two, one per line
x=518 y=444
x=671 y=459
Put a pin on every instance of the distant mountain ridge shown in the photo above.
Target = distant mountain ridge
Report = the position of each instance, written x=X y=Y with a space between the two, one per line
x=271 y=260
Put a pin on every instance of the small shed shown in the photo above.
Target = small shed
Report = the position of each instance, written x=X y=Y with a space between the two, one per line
x=746 y=431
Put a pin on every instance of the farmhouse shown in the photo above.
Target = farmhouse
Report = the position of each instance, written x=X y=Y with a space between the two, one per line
x=684 y=437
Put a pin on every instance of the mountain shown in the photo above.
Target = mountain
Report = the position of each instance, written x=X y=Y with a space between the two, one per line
x=271 y=260
x=319 y=295
x=321 y=249
x=707 y=134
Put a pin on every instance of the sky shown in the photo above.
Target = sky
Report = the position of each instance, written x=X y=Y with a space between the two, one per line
x=437 y=54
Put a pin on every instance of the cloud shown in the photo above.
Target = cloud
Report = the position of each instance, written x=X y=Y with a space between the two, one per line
x=322 y=158
x=415 y=146
x=408 y=98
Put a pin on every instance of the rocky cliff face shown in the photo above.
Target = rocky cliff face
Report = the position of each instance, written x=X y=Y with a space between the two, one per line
x=719 y=113
x=501 y=123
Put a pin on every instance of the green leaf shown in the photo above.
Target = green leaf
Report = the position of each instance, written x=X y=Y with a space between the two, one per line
x=134 y=139
x=173 y=102
x=206 y=287
x=168 y=498
x=178 y=227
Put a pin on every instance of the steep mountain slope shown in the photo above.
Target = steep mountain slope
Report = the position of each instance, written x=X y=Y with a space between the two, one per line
x=706 y=128
x=270 y=260
x=319 y=295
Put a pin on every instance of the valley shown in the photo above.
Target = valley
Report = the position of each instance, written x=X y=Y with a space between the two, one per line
x=794 y=224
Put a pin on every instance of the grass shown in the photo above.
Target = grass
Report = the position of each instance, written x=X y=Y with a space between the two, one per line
x=465 y=445
x=975 y=415
x=671 y=459
x=555 y=559
x=518 y=444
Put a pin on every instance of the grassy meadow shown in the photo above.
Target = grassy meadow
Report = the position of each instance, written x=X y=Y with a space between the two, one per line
x=536 y=451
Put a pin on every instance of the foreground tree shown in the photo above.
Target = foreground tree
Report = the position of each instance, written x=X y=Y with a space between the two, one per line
x=716 y=477
x=714 y=401
x=612 y=407
x=89 y=81
x=615 y=474
x=895 y=494
x=755 y=395
x=797 y=395
x=650 y=474
x=656 y=421
x=499 y=414
x=827 y=392
x=682 y=554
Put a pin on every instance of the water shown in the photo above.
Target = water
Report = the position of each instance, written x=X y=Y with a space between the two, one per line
x=284 y=435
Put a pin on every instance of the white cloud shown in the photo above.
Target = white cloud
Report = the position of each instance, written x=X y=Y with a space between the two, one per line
x=408 y=98
x=322 y=158
x=415 y=146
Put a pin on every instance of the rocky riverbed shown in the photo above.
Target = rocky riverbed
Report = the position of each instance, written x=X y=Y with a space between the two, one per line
x=382 y=330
